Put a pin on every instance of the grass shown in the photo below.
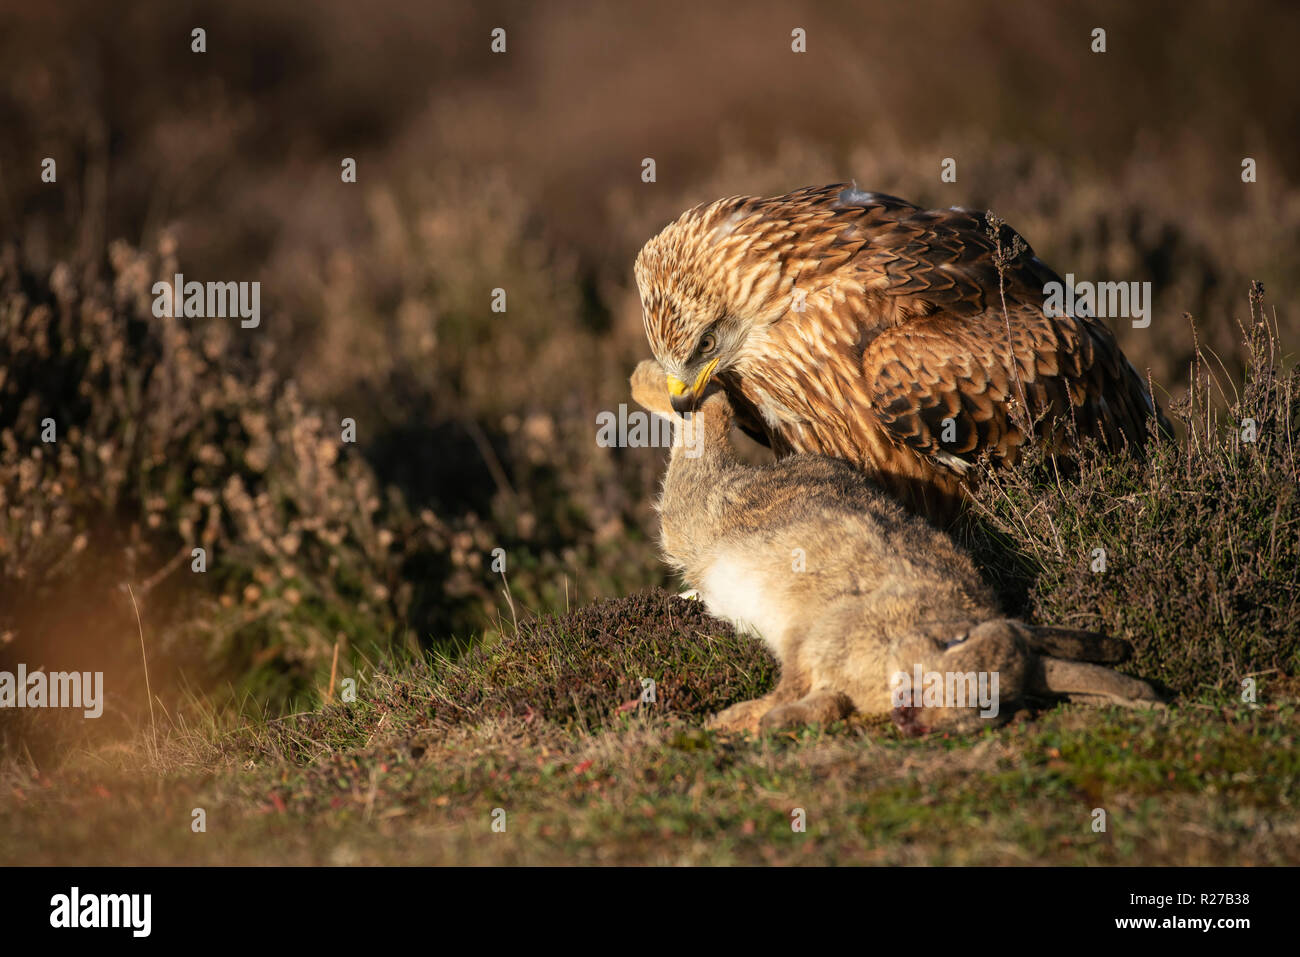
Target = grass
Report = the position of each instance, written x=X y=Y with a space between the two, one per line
x=404 y=776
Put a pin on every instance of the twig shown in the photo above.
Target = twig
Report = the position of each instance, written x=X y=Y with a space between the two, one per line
x=172 y=564
x=148 y=690
x=1001 y=260
x=490 y=459
x=334 y=670
x=510 y=600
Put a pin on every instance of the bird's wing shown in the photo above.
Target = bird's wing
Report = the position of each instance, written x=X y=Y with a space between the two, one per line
x=939 y=322
x=944 y=385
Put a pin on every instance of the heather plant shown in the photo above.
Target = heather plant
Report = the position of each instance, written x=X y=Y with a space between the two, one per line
x=166 y=455
x=1190 y=555
x=466 y=332
x=651 y=657
x=650 y=653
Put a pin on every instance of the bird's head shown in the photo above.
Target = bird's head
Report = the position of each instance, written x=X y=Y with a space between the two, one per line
x=696 y=321
x=693 y=348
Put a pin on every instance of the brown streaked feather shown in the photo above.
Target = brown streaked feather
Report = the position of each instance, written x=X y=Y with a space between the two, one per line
x=902 y=327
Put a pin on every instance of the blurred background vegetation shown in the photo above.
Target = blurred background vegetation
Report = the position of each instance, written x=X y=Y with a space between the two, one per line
x=519 y=171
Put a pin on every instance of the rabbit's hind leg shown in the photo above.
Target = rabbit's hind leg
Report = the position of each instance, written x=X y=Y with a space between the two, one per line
x=744 y=716
x=1092 y=684
x=820 y=707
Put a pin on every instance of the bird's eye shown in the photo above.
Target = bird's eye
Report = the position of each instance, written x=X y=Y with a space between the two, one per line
x=708 y=342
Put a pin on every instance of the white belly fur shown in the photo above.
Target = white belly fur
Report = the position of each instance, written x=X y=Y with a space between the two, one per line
x=733 y=589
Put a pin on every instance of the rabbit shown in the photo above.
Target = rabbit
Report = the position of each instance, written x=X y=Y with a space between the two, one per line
x=862 y=603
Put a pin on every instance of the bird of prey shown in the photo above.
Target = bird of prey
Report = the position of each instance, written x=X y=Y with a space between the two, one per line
x=907 y=341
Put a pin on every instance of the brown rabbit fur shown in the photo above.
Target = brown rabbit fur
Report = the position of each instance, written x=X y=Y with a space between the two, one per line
x=849 y=590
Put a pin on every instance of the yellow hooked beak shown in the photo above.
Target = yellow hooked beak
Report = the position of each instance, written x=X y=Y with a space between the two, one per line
x=684 y=397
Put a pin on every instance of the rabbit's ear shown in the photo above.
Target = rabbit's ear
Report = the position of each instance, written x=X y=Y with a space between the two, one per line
x=650 y=389
x=1076 y=645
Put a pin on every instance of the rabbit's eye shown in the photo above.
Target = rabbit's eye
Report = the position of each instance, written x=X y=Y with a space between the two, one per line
x=708 y=342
